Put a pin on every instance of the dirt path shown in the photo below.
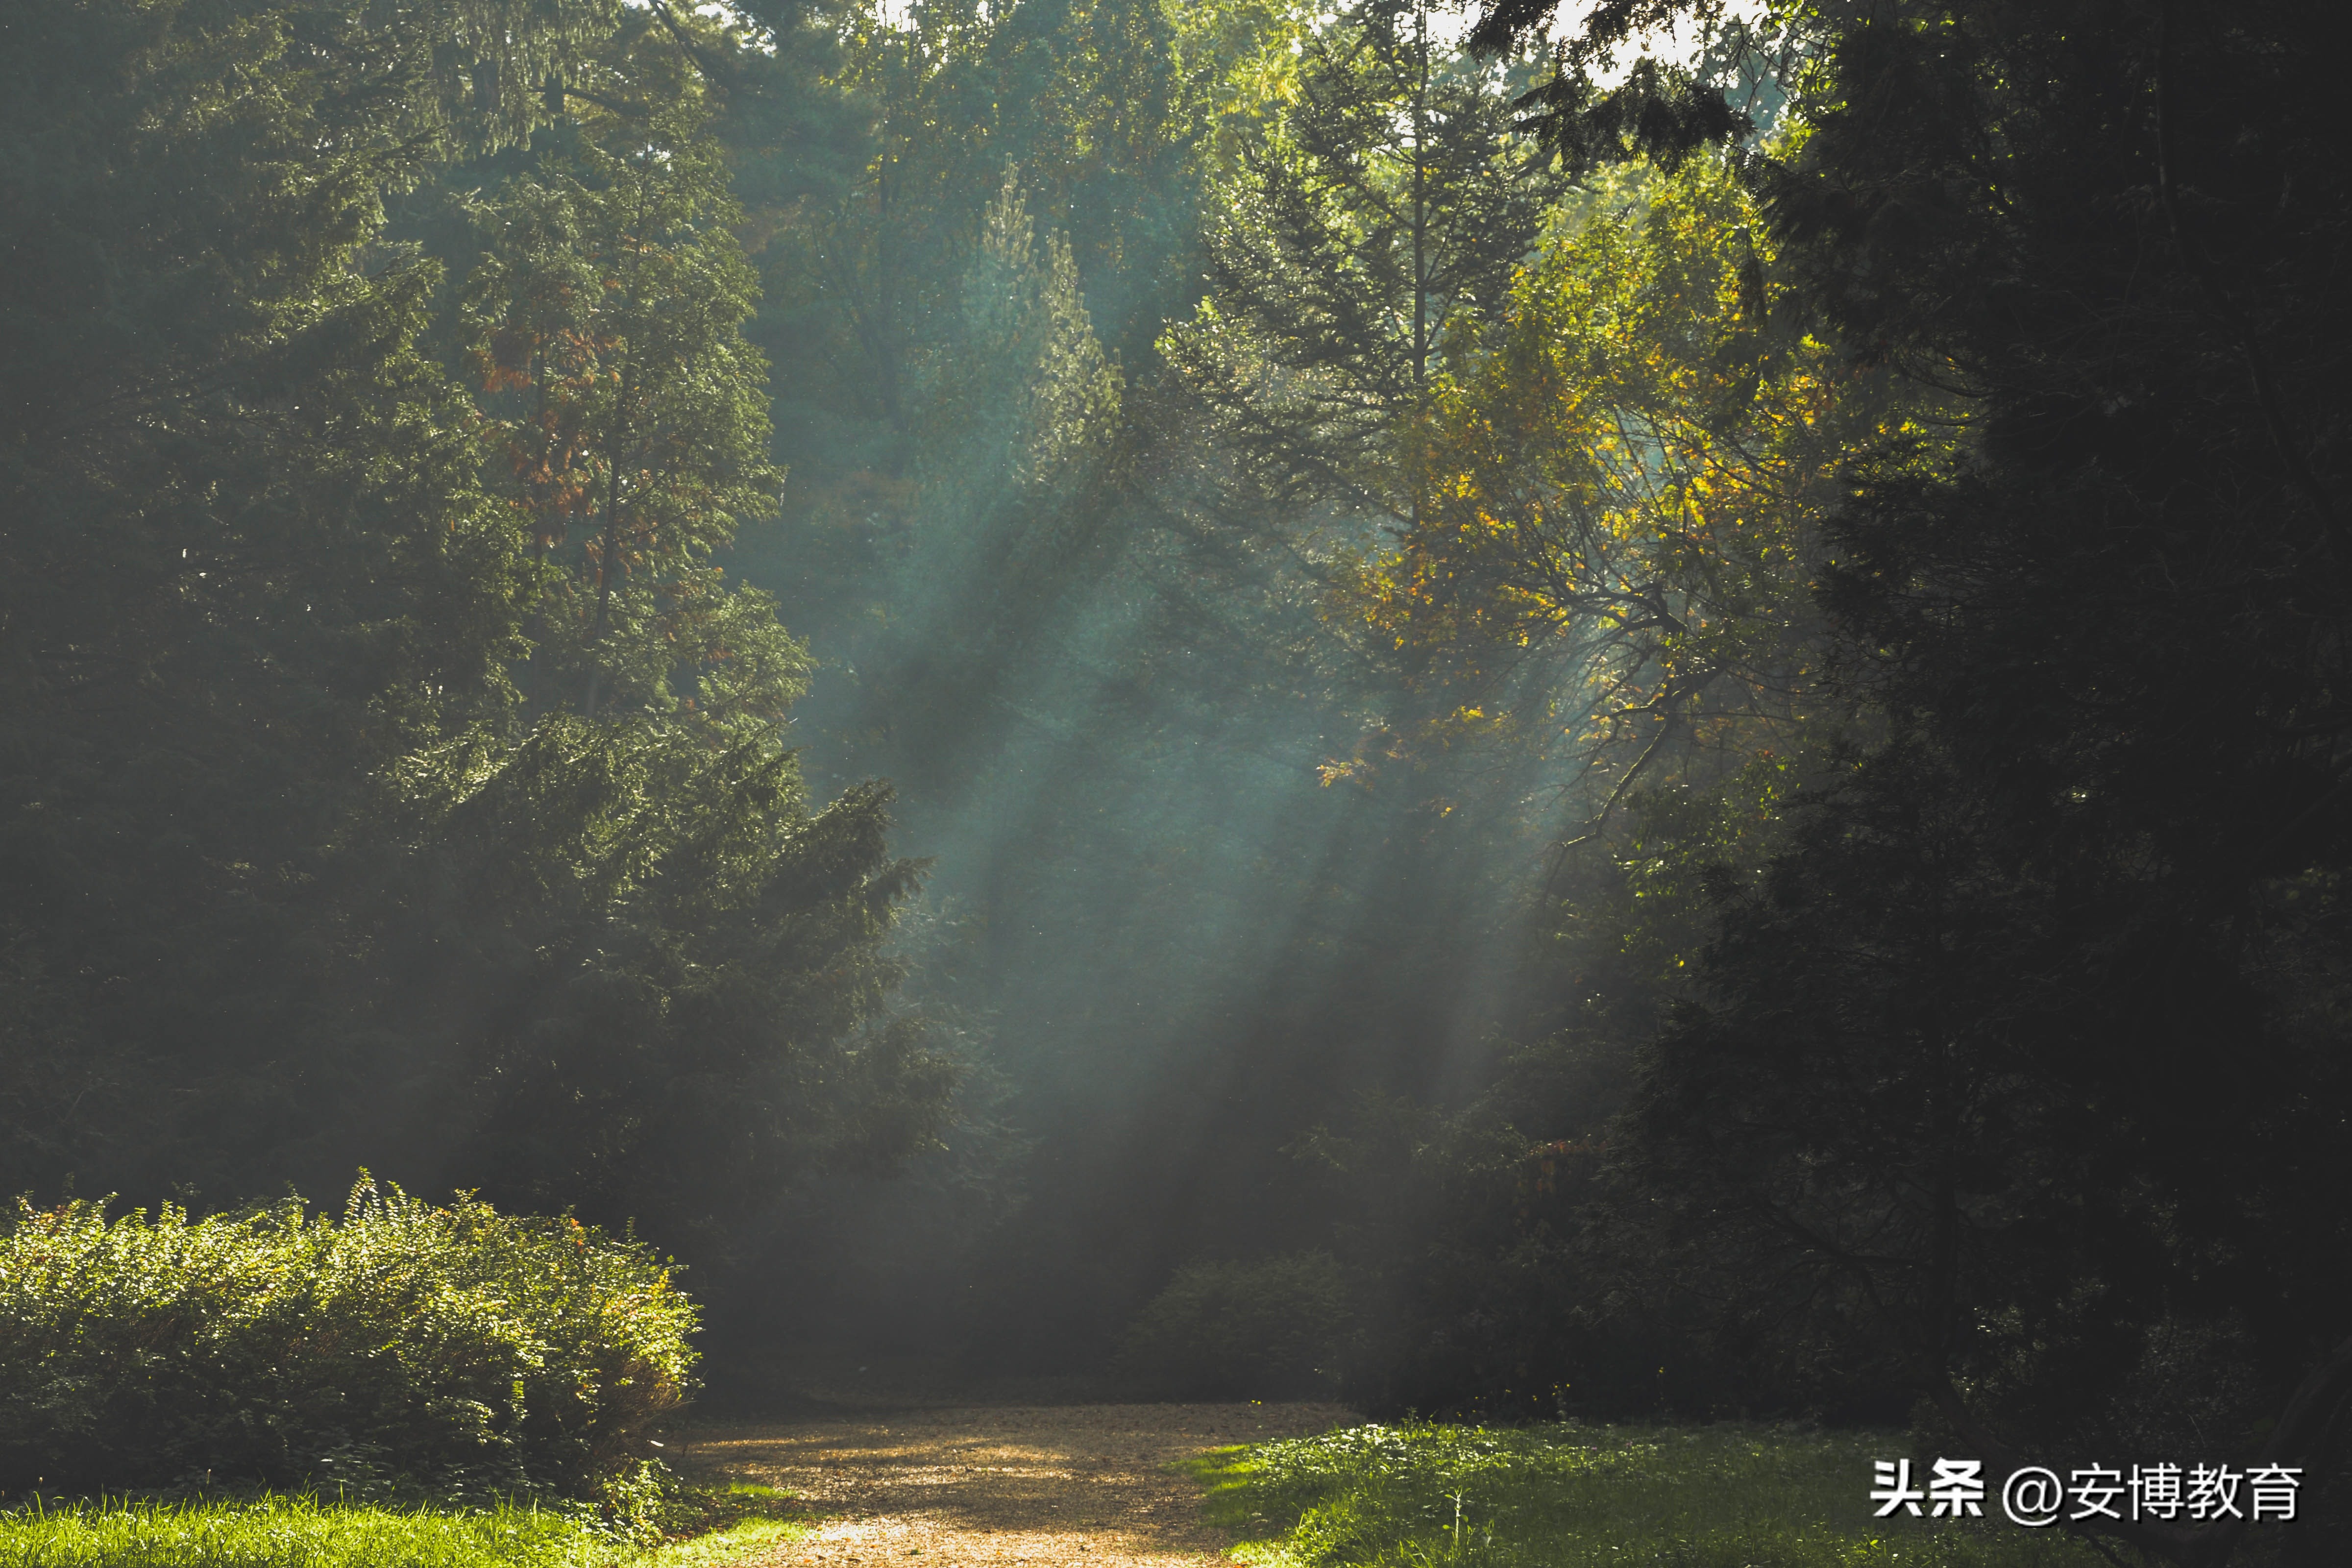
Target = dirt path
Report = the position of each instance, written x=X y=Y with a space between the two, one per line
x=1085 y=1484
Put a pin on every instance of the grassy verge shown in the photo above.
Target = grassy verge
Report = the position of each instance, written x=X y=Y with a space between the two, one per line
x=280 y=1532
x=1581 y=1497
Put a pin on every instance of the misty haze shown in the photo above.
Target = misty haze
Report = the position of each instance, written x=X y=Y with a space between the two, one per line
x=1144 y=782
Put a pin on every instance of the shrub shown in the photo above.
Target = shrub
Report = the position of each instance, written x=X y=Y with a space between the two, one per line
x=1241 y=1329
x=454 y=1344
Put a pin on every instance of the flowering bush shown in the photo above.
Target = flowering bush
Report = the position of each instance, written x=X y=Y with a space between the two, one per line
x=451 y=1344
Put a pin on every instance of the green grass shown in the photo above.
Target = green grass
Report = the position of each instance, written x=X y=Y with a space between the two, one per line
x=281 y=1531
x=1573 y=1496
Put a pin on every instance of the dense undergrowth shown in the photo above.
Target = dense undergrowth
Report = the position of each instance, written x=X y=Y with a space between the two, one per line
x=1234 y=1331
x=452 y=1348
x=1572 y=1496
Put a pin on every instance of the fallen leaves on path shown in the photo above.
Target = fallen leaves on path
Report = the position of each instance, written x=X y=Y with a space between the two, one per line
x=1084 y=1484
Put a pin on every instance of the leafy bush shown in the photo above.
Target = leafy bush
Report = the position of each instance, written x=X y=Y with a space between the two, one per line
x=1241 y=1329
x=453 y=1345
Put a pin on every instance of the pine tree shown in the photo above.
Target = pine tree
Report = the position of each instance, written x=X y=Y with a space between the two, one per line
x=1391 y=204
x=246 y=559
x=302 y=879
x=606 y=319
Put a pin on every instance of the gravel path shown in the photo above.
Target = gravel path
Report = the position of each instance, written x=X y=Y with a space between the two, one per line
x=1087 y=1484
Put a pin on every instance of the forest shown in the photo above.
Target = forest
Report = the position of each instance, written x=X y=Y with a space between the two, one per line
x=1608 y=712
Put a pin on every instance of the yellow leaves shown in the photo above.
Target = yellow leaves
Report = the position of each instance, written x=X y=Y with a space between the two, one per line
x=1615 y=486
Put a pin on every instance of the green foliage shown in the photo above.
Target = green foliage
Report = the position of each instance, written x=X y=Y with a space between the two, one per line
x=391 y=774
x=636 y=1498
x=1272 y=1329
x=454 y=1344
x=1026 y=333
x=1387 y=203
x=688 y=996
x=605 y=323
x=1904 y=557
x=866 y=279
x=1015 y=416
x=1621 y=483
x=697 y=1521
x=245 y=561
x=1237 y=62
x=1572 y=1496
x=1942 y=1107
x=1623 y=477
x=305 y=1532
x=285 y=1531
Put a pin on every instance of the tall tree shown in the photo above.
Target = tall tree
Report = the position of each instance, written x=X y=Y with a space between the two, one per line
x=1621 y=484
x=2020 y=1068
x=1389 y=203
x=606 y=320
x=301 y=881
x=245 y=561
